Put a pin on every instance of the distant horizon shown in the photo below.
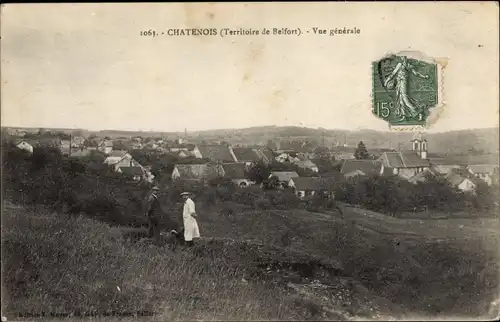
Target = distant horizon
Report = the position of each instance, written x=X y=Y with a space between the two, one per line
x=237 y=128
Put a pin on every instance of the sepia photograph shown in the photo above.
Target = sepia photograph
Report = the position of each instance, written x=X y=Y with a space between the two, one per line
x=323 y=161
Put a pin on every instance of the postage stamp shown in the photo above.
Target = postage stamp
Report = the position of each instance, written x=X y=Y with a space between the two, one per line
x=407 y=90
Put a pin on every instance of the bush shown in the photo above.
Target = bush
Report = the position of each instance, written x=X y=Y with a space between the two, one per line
x=314 y=203
x=246 y=196
x=263 y=204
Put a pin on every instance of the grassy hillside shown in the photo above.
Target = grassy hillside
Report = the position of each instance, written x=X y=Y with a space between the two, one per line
x=265 y=264
x=60 y=264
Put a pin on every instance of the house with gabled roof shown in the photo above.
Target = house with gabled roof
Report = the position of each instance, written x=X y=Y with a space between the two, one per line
x=461 y=179
x=377 y=152
x=267 y=155
x=444 y=169
x=201 y=173
x=133 y=173
x=423 y=176
x=185 y=150
x=283 y=177
x=485 y=172
x=309 y=186
x=343 y=153
x=248 y=156
x=120 y=158
x=305 y=186
x=236 y=173
x=305 y=163
x=353 y=168
x=407 y=164
x=217 y=153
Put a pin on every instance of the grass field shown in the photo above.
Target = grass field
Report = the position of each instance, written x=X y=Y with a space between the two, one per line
x=249 y=265
x=427 y=229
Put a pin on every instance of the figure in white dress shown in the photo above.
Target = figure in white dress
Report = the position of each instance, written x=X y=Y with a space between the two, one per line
x=191 y=229
x=406 y=106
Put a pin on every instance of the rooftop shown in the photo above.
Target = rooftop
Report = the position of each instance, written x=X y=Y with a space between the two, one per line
x=407 y=159
x=246 y=154
x=368 y=167
x=234 y=170
x=284 y=175
x=219 y=153
x=117 y=153
x=306 y=183
x=196 y=171
x=132 y=171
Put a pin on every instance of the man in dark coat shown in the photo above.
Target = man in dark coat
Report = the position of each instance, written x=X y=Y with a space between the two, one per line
x=154 y=213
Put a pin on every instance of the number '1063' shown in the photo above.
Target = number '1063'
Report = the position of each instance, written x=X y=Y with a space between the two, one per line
x=148 y=33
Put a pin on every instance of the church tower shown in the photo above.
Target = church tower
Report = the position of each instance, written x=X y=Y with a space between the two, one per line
x=419 y=146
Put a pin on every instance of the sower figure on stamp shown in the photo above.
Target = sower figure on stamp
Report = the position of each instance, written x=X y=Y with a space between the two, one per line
x=398 y=79
x=191 y=229
x=154 y=211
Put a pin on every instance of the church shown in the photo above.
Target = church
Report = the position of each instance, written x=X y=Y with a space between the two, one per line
x=407 y=164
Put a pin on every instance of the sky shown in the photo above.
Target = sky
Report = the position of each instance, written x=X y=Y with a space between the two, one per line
x=86 y=65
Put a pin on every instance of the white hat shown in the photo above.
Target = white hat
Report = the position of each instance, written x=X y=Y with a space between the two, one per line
x=185 y=193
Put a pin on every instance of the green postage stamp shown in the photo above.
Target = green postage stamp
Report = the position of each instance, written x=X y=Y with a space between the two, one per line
x=407 y=90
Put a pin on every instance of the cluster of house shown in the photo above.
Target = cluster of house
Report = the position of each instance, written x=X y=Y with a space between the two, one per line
x=416 y=166
x=232 y=162
x=413 y=165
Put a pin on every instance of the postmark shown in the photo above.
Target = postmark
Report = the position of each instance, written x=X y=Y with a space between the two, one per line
x=407 y=90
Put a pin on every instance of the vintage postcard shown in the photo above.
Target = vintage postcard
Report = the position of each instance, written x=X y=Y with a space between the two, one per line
x=250 y=161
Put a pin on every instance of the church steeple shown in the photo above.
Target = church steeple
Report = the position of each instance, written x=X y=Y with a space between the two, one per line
x=419 y=146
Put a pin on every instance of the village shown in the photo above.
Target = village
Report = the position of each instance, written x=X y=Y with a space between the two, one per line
x=250 y=162
x=296 y=164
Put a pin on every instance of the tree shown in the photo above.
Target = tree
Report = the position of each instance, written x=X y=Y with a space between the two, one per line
x=361 y=152
x=120 y=145
x=271 y=183
x=259 y=172
x=326 y=164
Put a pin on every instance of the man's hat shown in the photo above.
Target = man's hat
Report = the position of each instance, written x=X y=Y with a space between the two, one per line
x=155 y=188
x=185 y=193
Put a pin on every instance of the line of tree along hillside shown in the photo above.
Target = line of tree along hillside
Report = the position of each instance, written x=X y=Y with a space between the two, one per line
x=396 y=196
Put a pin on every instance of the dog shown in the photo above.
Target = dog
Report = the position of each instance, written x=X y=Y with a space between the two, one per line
x=178 y=239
